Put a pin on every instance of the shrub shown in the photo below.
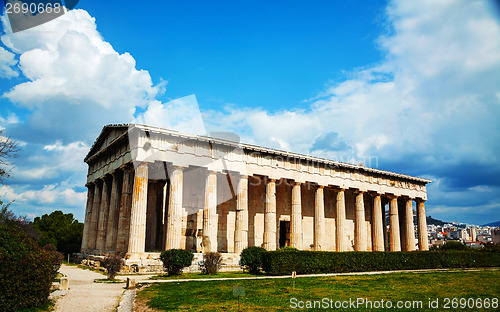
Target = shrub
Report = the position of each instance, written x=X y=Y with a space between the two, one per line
x=212 y=262
x=251 y=259
x=490 y=247
x=310 y=262
x=174 y=260
x=453 y=245
x=288 y=248
x=57 y=258
x=26 y=271
x=113 y=264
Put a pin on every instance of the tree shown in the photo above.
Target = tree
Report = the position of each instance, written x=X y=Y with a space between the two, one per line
x=174 y=260
x=252 y=258
x=212 y=262
x=26 y=271
x=8 y=149
x=113 y=264
x=61 y=230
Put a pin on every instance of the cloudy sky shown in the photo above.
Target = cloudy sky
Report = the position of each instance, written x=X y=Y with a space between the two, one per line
x=406 y=86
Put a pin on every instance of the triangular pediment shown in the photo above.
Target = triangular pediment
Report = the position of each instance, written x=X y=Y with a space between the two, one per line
x=108 y=134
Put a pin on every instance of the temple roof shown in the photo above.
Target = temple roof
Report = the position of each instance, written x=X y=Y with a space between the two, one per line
x=107 y=129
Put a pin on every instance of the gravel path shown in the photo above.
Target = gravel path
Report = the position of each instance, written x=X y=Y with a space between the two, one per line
x=85 y=295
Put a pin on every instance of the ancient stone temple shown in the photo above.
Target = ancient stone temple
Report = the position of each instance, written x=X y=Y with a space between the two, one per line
x=152 y=189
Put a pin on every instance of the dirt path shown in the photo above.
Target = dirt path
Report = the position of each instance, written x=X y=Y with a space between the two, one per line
x=85 y=295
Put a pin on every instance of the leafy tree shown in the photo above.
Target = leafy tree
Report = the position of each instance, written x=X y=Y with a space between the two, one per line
x=453 y=245
x=26 y=271
x=251 y=259
x=212 y=261
x=113 y=264
x=61 y=230
x=174 y=260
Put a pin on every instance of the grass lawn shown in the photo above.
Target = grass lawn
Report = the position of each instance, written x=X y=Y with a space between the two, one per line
x=276 y=294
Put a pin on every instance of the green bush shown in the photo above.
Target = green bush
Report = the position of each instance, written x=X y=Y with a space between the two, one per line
x=26 y=271
x=453 y=245
x=174 y=260
x=288 y=248
x=212 y=262
x=57 y=258
x=310 y=262
x=251 y=259
x=113 y=264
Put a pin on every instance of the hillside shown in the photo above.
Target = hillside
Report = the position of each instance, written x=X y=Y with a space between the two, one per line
x=493 y=224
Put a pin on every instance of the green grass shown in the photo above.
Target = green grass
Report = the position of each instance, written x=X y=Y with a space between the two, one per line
x=275 y=294
x=202 y=276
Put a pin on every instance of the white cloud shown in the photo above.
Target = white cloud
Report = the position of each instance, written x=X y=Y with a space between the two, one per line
x=181 y=114
x=77 y=81
x=7 y=64
x=50 y=196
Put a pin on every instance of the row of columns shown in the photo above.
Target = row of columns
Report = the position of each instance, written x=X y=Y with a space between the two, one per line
x=117 y=206
x=108 y=212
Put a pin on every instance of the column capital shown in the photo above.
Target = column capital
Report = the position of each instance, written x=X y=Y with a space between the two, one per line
x=268 y=179
x=116 y=172
x=391 y=196
x=176 y=167
x=419 y=200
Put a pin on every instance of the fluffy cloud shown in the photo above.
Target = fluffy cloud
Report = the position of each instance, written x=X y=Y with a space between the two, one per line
x=181 y=114
x=74 y=83
x=7 y=63
x=76 y=80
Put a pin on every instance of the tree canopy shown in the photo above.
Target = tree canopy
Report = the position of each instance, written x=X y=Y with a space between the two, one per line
x=60 y=229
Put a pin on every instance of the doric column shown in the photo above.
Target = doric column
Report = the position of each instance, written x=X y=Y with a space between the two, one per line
x=124 y=215
x=241 y=228
x=88 y=218
x=319 y=219
x=339 y=221
x=137 y=238
x=296 y=218
x=409 y=226
x=114 y=211
x=423 y=240
x=270 y=216
x=394 y=225
x=103 y=214
x=210 y=213
x=174 y=211
x=378 y=225
x=360 y=224
x=94 y=223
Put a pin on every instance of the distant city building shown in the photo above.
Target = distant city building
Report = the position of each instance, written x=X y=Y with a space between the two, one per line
x=495 y=235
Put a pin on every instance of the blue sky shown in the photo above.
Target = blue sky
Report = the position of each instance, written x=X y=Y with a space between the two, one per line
x=406 y=86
